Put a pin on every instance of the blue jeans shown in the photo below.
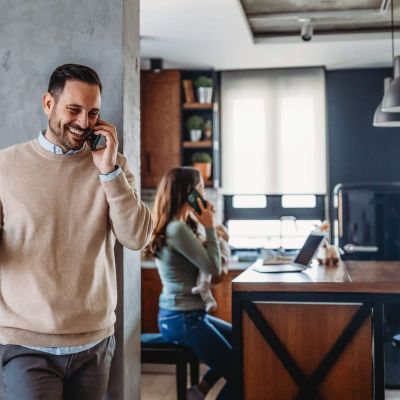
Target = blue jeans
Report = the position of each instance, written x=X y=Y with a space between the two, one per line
x=209 y=337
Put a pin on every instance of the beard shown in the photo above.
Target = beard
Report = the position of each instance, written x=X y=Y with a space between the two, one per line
x=67 y=140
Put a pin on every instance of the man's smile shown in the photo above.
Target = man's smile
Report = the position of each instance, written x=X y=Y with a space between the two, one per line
x=76 y=131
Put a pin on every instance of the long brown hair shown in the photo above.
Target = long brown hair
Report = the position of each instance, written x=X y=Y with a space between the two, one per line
x=171 y=195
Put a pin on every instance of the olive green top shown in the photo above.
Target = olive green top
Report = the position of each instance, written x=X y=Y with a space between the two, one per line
x=179 y=263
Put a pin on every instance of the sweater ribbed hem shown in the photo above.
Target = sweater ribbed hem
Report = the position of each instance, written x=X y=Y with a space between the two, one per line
x=22 y=337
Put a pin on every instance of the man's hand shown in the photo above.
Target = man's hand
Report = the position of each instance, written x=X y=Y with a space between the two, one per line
x=105 y=158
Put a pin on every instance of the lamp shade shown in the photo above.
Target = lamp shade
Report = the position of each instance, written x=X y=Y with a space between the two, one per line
x=386 y=119
x=391 y=99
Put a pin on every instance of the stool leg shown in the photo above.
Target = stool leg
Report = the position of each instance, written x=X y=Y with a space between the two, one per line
x=181 y=380
x=194 y=371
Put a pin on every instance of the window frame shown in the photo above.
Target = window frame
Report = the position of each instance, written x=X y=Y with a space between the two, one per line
x=274 y=209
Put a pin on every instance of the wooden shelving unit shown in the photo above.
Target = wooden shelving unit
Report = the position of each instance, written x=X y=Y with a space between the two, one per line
x=209 y=113
x=165 y=95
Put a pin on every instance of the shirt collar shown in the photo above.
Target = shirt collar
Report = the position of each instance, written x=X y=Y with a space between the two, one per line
x=53 y=148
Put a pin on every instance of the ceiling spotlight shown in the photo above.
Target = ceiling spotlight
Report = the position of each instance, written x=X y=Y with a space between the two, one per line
x=306 y=32
x=156 y=64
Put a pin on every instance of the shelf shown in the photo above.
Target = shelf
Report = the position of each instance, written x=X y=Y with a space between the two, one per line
x=201 y=144
x=197 y=106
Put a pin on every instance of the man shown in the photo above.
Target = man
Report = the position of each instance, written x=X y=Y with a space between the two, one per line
x=61 y=208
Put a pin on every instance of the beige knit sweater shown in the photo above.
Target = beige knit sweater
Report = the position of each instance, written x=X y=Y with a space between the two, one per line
x=58 y=224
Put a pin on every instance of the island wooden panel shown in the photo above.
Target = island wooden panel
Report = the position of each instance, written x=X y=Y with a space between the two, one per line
x=151 y=289
x=308 y=332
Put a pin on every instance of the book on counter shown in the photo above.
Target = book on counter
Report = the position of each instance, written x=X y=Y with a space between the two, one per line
x=188 y=90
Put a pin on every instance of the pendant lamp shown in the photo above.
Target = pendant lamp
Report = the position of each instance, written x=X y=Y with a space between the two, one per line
x=386 y=119
x=391 y=98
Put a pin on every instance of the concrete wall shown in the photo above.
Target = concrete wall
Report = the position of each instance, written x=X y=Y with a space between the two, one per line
x=35 y=37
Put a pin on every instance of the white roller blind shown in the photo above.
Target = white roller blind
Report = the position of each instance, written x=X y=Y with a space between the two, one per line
x=273 y=131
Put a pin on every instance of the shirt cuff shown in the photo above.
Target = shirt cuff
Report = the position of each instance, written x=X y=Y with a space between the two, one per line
x=111 y=175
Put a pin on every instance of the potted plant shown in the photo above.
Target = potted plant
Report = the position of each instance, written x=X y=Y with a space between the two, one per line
x=195 y=125
x=204 y=86
x=202 y=161
x=208 y=129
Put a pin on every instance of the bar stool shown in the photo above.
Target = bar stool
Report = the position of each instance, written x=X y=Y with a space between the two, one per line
x=155 y=350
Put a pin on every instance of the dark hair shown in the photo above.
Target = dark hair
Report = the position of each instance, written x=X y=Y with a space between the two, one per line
x=171 y=195
x=75 y=72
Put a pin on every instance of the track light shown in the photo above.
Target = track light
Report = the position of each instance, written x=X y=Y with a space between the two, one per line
x=307 y=30
x=156 y=64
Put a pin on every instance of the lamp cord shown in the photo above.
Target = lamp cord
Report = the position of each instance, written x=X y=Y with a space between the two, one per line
x=391 y=6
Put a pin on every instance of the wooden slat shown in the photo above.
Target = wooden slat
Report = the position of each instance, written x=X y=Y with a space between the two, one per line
x=200 y=144
x=197 y=106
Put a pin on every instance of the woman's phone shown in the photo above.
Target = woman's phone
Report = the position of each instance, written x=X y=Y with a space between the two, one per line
x=192 y=200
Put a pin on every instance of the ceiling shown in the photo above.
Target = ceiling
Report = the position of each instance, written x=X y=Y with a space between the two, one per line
x=270 y=18
x=247 y=34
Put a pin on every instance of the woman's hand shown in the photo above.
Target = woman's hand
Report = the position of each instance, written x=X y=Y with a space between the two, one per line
x=217 y=279
x=206 y=217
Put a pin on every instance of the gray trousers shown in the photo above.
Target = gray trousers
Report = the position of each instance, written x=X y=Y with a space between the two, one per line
x=34 y=375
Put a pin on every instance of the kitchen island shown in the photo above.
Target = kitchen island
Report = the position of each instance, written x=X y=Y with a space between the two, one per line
x=316 y=334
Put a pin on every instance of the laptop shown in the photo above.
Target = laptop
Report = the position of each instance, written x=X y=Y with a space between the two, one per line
x=302 y=260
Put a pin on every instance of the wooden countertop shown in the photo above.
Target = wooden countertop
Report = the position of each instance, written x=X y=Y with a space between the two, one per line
x=348 y=276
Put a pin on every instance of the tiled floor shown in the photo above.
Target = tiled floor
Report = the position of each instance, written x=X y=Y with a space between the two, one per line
x=161 y=386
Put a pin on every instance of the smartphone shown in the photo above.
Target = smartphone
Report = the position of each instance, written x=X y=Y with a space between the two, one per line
x=93 y=140
x=192 y=200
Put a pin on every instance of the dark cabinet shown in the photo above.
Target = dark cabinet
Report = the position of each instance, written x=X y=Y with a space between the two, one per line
x=160 y=124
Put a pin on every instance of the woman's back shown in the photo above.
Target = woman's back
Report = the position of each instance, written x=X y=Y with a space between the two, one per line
x=179 y=262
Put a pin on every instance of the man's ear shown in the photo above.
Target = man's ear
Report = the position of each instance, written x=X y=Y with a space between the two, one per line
x=48 y=102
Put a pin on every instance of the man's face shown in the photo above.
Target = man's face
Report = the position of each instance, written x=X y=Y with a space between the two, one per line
x=72 y=114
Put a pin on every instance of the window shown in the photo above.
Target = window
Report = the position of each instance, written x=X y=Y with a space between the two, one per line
x=273 y=131
x=280 y=221
x=273 y=145
x=269 y=234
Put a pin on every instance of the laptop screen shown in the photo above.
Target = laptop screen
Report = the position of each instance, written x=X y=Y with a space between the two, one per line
x=309 y=248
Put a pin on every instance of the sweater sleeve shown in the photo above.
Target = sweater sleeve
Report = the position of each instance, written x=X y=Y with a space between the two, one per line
x=130 y=218
x=1 y=218
x=206 y=258
x=1 y=207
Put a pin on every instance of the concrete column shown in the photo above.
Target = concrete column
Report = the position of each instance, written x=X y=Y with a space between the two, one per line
x=35 y=37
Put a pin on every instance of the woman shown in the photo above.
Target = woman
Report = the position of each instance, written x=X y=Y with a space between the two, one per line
x=180 y=254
